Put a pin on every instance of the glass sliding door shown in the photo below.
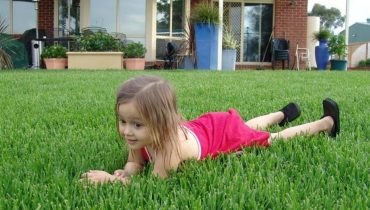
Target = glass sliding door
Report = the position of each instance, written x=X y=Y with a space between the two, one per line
x=257 y=31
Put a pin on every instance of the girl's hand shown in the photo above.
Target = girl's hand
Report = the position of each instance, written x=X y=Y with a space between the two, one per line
x=98 y=177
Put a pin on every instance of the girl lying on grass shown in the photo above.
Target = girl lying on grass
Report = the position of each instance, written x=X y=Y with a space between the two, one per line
x=148 y=120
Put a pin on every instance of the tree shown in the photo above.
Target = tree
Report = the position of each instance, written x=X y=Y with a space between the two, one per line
x=329 y=18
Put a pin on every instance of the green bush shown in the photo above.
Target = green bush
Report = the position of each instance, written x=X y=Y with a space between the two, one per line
x=98 y=42
x=54 y=51
x=337 y=46
x=364 y=63
x=323 y=34
x=205 y=13
x=134 y=50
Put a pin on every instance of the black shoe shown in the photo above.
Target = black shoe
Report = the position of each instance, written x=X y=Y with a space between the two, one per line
x=331 y=109
x=291 y=112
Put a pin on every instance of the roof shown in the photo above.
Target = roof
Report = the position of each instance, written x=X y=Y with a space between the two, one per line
x=359 y=32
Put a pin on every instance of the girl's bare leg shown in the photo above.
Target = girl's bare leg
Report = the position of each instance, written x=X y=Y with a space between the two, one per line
x=287 y=114
x=265 y=121
x=309 y=129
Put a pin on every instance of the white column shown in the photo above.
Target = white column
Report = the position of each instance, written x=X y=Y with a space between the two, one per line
x=220 y=29
x=347 y=28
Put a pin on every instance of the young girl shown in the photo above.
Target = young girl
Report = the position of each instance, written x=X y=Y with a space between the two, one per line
x=148 y=120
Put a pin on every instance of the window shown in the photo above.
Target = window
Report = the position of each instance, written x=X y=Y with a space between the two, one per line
x=103 y=14
x=257 y=31
x=4 y=13
x=22 y=14
x=68 y=17
x=132 y=19
x=171 y=20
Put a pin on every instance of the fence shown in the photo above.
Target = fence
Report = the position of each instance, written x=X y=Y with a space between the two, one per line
x=357 y=52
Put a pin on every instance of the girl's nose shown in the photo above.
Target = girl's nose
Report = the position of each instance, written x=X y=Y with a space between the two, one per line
x=127 y=131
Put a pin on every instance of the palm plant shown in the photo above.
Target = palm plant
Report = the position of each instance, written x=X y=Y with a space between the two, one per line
x=5 y=59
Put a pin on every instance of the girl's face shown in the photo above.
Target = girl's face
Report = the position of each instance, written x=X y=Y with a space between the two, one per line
x=132 y=127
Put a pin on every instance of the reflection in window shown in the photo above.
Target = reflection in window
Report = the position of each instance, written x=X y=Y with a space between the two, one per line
x=169 y=27
x=24 y=16
x=132 y=19
x=68 y=21
x=4 y=13
x=257 y=30
x=164 y=20
x=103 y=14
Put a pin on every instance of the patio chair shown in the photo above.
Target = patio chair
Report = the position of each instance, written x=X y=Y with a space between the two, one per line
x=171 y=56
x=302 y=55
x=280 y=52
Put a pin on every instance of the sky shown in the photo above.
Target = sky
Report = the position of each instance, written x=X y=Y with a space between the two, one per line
x=359 y=10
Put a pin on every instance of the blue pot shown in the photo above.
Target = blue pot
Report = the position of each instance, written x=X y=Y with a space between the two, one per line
x=187 y=63
x=206 y=40
x=322 y=55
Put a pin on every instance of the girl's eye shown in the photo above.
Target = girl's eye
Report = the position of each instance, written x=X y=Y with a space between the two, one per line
x=122 y=121
x=138 y=125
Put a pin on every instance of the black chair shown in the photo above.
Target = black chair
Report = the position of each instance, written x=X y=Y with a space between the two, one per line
x=280 y=52
x=171 y=54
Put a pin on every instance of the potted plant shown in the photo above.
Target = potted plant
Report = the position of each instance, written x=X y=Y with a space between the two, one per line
x=206 y=24
x=186 y=52
x=321 y=51
x=229 y=45
x=98 y=50
x=55 y=57
x=134 y=53
x=338 y=50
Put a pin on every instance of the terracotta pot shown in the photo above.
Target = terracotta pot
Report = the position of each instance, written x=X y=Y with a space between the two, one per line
x=55 y=63
x=135 y=63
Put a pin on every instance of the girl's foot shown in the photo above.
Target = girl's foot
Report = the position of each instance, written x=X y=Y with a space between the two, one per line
x=331 y=109
x=291 y=112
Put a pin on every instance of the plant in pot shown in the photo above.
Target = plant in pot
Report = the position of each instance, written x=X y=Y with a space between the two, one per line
x=338 y=51
x=134 y=53
x=322 y=51
x=98 y=50
x=55 y=57
x=186 y=52
x=206 y=24
x=229 y=45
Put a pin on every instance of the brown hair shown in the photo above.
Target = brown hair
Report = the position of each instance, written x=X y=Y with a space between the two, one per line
x=156 y=103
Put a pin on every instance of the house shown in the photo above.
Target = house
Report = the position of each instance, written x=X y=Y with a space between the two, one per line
x=156 y=22
x=359 y=43
x=359 y=32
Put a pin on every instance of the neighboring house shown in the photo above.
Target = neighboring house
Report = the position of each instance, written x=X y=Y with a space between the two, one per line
x=359 y=42
x=157 y=22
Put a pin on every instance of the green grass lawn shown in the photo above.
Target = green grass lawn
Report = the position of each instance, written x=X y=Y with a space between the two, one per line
x=55 y=125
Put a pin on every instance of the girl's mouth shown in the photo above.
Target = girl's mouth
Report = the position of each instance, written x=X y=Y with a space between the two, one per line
x=130 y=141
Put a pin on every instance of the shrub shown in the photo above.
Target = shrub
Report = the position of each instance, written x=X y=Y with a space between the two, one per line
x=205 y=13
x=98 y=42
x=134 y=50
x=229 y=41
x=337 y=46
x=323 y=34
x=54 y=51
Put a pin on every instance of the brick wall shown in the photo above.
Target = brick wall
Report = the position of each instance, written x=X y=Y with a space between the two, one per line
x=291 y=23
x=46 y=16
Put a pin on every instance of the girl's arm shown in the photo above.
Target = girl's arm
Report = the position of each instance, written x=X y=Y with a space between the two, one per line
x=134 y=165
x=163 y=166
